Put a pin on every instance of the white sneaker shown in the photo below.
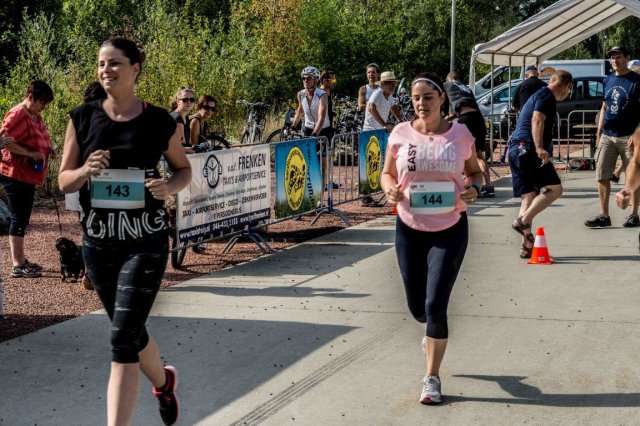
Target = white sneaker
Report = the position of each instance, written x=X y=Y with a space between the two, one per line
x=431 y=390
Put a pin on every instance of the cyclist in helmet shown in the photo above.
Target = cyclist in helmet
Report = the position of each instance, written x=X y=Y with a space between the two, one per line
x=313 y=105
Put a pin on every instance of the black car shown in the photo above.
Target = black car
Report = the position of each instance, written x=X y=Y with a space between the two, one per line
x=576 y=113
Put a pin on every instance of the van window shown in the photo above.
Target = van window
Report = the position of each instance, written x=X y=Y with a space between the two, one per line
x=595 y=89
x=502 y=95
x=577 y=92
x=501 y=76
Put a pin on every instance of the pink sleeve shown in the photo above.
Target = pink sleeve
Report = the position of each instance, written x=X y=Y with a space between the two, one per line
x=468 y=141
x=392 y=145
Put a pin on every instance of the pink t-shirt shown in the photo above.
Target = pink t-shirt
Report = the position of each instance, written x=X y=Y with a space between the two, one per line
x=430 y=175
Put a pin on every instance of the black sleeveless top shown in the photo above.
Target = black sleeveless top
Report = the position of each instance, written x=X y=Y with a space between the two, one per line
x=134 y=144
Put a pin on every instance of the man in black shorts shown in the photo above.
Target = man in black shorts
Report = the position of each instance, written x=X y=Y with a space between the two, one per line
x=464 y=107
x=534 y=177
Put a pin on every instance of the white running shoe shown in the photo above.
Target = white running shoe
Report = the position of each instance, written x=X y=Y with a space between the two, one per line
x=431 y=390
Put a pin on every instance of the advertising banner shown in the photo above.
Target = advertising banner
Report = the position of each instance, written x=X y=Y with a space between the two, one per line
x=372 y=147
x=298 y=177
x=229 y=188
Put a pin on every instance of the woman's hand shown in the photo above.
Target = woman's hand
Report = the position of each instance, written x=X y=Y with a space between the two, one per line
x=469 y=195
x=158 y=188
x=394 y=194
x=97 y=161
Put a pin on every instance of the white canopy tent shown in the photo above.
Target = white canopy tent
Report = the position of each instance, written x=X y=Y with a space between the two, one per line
x=553 y=30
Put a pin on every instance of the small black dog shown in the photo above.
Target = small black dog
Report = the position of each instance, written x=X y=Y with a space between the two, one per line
x=71 y=262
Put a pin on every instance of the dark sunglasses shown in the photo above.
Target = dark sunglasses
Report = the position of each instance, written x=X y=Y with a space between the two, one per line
x=307 y=78
x=208 y=108
x=191 y=100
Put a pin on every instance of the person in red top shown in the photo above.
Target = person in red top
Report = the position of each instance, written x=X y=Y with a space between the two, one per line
x=23 y=166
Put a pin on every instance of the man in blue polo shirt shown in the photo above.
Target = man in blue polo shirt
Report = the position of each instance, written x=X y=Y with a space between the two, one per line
x=619 y=116
x=533 y=176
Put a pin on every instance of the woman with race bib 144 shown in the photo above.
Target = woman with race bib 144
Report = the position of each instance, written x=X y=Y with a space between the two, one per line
x=111 y=152
x=422 y=173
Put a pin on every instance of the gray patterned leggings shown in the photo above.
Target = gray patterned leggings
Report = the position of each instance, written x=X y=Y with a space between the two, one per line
x=127 y=277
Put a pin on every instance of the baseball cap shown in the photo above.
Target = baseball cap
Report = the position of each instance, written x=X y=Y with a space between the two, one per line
x=531 y=68
x=618 y=49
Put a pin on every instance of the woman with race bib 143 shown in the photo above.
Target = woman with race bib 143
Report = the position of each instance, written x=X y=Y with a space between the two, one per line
x=422 y=173
x=111 y=152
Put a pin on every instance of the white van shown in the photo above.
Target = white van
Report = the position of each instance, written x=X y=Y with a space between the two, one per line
x=577 y=67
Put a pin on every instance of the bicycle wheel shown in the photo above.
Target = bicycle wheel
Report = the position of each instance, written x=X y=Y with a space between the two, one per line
x=245 y=137
x=258 y=136
x=275 y=136
x=177 y=257
x=215 y=142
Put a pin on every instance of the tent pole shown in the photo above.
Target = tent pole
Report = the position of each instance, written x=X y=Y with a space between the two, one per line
x=452 y=62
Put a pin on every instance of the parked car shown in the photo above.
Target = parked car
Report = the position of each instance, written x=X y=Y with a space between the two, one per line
x=586 y=96
x=577 y=67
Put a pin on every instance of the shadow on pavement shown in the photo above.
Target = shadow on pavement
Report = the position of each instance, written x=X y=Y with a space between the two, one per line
x=585 y=259
x=531 y=395
x=218 y=362
x=282 y=291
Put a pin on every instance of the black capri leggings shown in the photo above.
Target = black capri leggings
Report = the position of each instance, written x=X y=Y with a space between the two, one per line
x=20 y=199
x=127 y=277
x=429 y=264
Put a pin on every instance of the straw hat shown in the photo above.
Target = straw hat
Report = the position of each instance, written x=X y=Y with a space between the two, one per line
x=387 y=76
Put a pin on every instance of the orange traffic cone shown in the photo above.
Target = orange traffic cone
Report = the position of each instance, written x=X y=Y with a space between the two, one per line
x=540 y=253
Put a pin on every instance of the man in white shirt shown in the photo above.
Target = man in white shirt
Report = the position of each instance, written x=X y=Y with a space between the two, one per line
x=381 y=103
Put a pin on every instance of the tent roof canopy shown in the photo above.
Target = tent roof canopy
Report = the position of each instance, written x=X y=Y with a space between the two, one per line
x=553 y=30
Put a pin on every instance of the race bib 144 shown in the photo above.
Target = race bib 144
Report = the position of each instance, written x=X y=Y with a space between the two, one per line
x=432 y=197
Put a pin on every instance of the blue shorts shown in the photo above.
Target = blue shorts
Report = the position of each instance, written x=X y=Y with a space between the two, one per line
x=528 y=174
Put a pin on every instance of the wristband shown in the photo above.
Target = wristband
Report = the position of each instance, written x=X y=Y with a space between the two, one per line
x=476 y=187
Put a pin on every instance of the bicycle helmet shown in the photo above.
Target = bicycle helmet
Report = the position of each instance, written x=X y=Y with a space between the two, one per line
x=311 y=70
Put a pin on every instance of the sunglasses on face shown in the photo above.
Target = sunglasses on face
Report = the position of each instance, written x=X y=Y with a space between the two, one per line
x=190 y=100
x=307 y=78
x=208 y=108
x=330 y=80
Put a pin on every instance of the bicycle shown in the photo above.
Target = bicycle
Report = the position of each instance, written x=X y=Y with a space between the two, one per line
x=214 y=141
x=348 y=119
x=256 y=119
x=285 y=133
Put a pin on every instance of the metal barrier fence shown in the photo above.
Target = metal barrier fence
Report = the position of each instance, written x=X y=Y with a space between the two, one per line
x=569 y=131
x=339 y=185
x=587 y=128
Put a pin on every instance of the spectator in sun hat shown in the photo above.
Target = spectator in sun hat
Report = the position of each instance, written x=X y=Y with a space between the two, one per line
x=381 y=103
x=527 y=87
x=618 y=119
